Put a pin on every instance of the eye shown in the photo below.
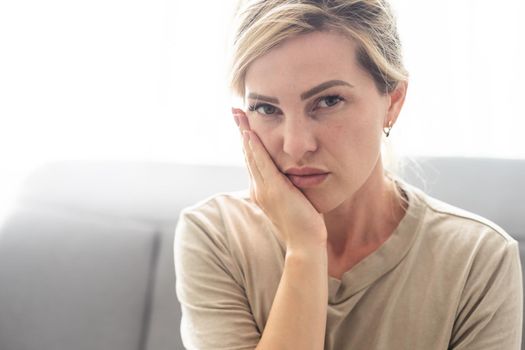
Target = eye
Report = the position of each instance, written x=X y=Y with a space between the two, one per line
x=328 y=101
x=263 y=108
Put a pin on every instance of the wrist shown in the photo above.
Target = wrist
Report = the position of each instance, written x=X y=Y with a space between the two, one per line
x=312 y=252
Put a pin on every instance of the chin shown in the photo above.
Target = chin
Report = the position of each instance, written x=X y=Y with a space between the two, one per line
x=321 y=202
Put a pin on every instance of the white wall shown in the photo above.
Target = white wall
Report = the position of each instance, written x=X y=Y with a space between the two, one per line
x=145 y=80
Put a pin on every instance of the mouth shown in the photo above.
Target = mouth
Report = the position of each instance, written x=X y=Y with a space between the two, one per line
x=306 y=177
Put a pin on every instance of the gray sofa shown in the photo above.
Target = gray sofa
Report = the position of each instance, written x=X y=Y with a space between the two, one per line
x=86 y=255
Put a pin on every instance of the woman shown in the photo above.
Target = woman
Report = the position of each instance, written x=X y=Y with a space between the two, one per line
x=329 y=250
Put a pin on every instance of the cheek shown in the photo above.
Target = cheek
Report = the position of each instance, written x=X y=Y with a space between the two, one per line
x=266 y=134
x=364 y=123
x=347 y=129
x=353 y=136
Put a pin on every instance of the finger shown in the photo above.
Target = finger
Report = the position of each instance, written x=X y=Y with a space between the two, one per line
x=253 y=195
x=249 y=164
x=239 y=116
x=261 y=163
x=245 y=151
x=261 y=158
x=244 y=127
x=257 y=181
x=242 y=120
x=250 y=156
x=235 y=113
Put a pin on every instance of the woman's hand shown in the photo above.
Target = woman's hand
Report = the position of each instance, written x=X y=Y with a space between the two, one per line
x=298 y=223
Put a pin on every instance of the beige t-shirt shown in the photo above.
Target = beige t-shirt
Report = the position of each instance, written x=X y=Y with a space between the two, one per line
x=445 y=279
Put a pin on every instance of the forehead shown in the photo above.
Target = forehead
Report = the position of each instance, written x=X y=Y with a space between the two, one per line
x=304 y=61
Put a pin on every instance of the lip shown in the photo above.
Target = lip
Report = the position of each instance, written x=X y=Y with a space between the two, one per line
x=306 y=177
x=307 y=181
x=305 y=171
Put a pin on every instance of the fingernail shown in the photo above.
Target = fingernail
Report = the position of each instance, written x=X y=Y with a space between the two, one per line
x=246 y=135
x=238 y=111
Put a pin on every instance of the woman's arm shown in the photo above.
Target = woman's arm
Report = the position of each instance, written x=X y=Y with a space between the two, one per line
x=491 y=307
x=216 y=313
x=297 y=318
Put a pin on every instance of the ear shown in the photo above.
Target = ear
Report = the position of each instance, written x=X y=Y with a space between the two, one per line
x=397 y=98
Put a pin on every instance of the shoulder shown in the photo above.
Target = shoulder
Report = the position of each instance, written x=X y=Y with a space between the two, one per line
x=478 y=265
x=445 y=222
x=452 y=219
x=231 y=218
x=455 y=232
x=202 y=235
x=466 y=251
x=219 y=207
x=227 y=230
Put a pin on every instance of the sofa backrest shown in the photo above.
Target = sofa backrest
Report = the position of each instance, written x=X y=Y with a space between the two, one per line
x=74 y=280
x=87 y=254
x=493 y=188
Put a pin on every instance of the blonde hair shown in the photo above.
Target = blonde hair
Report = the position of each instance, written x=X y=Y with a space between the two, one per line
x=263 y=24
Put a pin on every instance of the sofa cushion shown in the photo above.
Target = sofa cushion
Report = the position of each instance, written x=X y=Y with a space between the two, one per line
x=74 y=280
x=492 y=188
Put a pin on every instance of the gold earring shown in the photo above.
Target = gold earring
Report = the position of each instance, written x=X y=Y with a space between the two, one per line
x=386 y=130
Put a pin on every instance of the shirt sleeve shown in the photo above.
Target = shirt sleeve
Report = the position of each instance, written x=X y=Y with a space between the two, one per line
x=215 y=311
x=490 y=312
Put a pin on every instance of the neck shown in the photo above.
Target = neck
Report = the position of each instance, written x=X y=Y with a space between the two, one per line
x=366 y=219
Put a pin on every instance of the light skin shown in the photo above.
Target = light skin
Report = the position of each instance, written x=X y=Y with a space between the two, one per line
x=310 y=104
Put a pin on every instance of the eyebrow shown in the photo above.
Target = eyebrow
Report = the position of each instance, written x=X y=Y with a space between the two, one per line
x=258 y=97
x=307 y=94
x=323 y=86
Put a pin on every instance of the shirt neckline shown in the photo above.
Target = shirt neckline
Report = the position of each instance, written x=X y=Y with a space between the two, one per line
x=387 y=256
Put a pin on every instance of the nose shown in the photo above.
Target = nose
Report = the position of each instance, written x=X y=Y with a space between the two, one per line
x=299 y=137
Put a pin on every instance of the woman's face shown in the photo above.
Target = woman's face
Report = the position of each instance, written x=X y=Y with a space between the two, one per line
x=317 y=111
